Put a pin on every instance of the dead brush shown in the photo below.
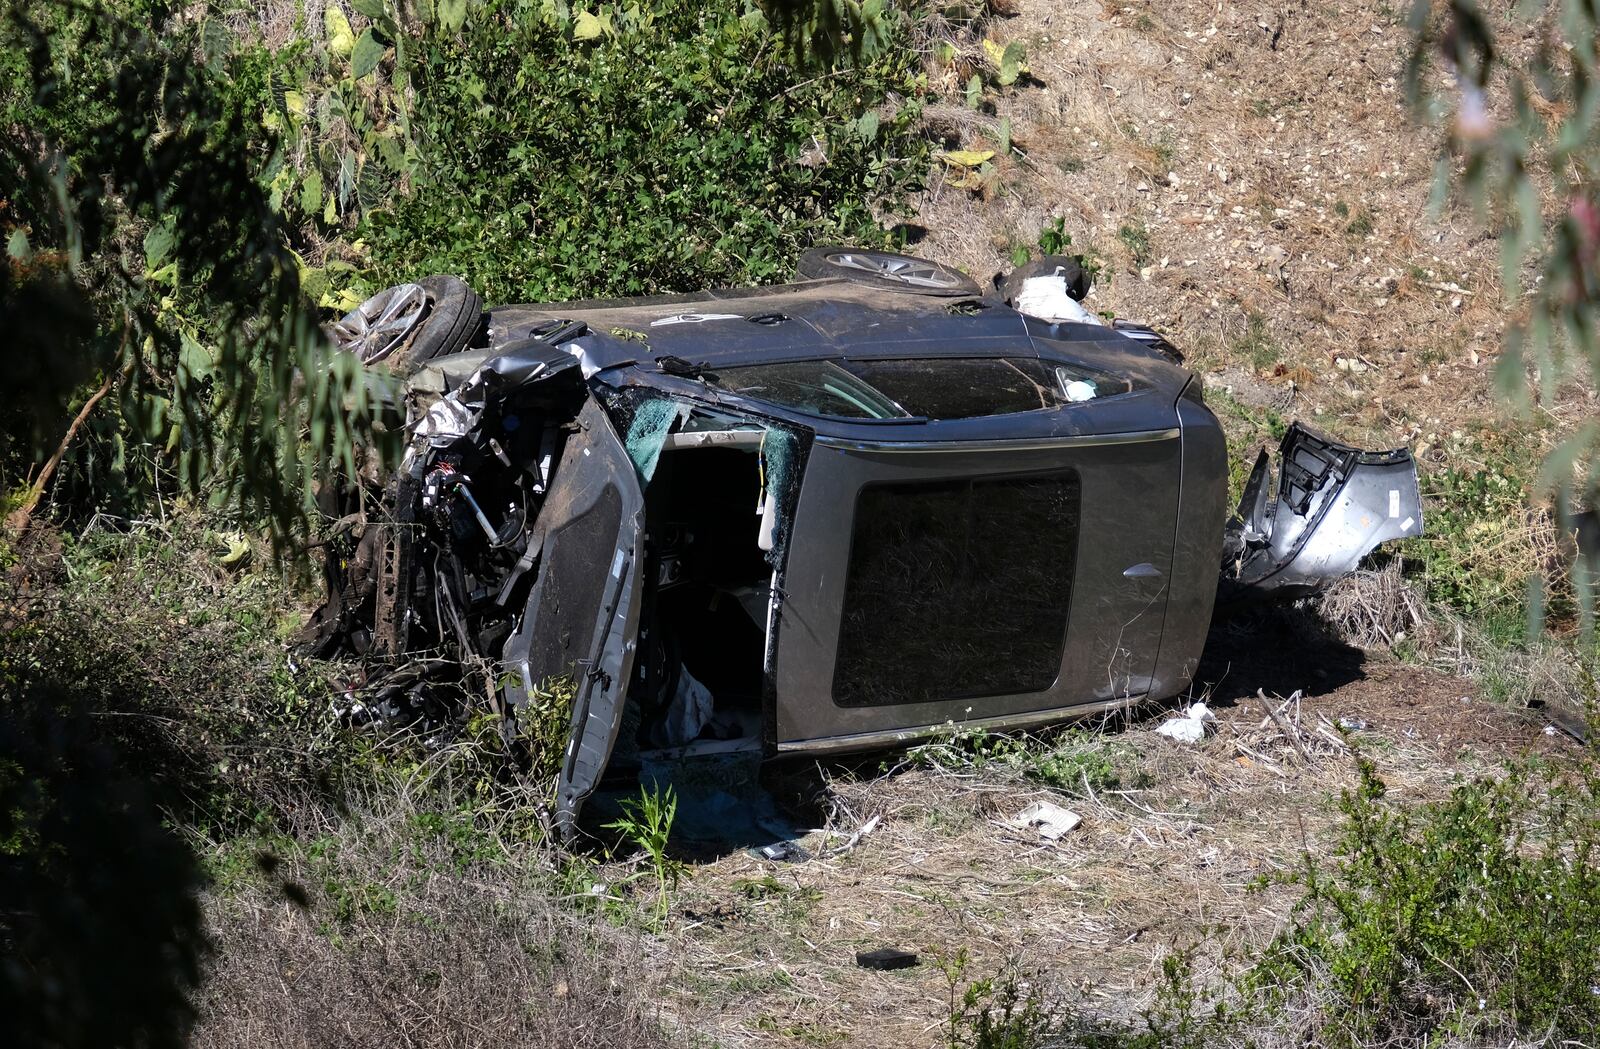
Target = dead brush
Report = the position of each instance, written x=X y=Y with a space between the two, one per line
x=1374 y=607
x=950 y=40
x=418 y=925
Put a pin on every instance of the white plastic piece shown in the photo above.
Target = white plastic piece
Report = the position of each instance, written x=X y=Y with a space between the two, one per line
x=1189 y=727
x=1079 y=390
x=767 y=532
x=1051 y=821
x=1046 y=298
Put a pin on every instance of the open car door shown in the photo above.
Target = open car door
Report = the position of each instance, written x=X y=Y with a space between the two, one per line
x=583 y=610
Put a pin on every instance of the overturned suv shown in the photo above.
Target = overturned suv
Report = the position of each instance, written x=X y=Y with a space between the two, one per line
x=824 y=516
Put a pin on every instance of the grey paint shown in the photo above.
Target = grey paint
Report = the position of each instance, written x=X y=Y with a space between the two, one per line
x=1114 y=626
x=1151 y=464
x=594 y=471
x=1202 y=511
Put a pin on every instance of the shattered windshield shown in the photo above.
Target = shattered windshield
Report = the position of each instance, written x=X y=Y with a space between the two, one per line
x=938 y=388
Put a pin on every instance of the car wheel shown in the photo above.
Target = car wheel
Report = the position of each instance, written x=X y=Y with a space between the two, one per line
x=886 y=269
x=409 y=324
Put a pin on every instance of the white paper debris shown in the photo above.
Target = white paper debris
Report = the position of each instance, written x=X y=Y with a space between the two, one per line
x=1051 y=821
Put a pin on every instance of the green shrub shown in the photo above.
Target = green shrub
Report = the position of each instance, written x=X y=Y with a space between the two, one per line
x=181 y=659
x=543 y=153
x=646 y=823
x=677 y=150
x=1074 y=761
x=1477 y=913
x=1135 y=236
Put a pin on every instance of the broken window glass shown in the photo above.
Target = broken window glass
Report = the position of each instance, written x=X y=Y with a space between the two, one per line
x=815 y=387
x=934 y=388
x=957 y=589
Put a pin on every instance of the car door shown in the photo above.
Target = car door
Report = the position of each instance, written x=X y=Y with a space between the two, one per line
x=582 y=616
x=1065 y=540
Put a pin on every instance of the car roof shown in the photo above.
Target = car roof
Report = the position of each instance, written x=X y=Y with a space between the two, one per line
x=665 y=341
x=819 y=318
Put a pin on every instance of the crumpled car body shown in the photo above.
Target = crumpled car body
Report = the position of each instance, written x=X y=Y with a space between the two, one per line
x=831 y=516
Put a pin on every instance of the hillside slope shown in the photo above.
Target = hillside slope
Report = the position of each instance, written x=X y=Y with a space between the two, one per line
x=1248 y=160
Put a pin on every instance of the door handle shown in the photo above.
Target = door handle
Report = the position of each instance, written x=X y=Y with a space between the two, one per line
x=1142 y=570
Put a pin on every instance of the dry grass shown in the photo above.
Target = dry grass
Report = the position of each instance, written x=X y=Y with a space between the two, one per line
x=1168 y=859
x=1269 y=153
x=1374 y=608
x=405 y=942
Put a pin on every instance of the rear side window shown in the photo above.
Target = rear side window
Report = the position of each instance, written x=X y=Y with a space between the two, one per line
x=957 y=589
x=931 y=388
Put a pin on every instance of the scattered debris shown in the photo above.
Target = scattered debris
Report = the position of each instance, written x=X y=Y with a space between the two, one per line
x=855 y=839
x=1051 y=821
x=781 y=852
x=1281 y=727
x=885 y=959
x=1190 y=727
x=1276 y=717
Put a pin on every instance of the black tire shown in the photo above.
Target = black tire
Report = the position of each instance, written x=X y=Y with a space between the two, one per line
x=455 y=314
x=403 y=327
x=885 y=269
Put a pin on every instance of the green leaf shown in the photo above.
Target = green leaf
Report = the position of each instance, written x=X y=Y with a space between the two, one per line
x=974 y=91
x=366 y=54
x=311 y=193
x=1011 y=63
x=587 y=26
x=392 y=153
x=867 y=126
x=194 y=358
x=341 y=38
x=216 y=43
x=17 y=245
x=452 y=14
x=313 y=283
x=157 y=245
x=373 y=9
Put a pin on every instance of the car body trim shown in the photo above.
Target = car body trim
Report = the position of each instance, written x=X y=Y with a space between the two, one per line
x=1006 y=722
x=1028 y=444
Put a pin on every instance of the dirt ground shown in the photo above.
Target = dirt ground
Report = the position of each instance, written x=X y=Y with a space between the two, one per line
x=762 y=952
x=1244 y=159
